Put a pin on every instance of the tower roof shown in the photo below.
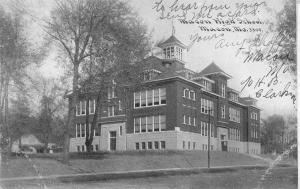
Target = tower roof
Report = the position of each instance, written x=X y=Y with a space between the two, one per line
x=213 y=69
x=171 y=41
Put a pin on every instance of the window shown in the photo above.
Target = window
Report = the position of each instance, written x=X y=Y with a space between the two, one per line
x=194 y=145
x=92 y=106
x=97 y=130
x=137 y=146
x=192 y=95
x=150 y=74
x=146 y=124
x=184 y=121
x=183 y=144
x=156 y=97
x=143 y=145
x=206 y=106
x=137 y=125
x=234 y=97
x=234 y=115
x=207 y=85
x=189 y=145
x=163 y=123
x=253 y=115
x=163 y=144
x=223 y=111
x=111 y=111
x=202 y=128
x=81 y=108
x=185 y=93
x=211 y=130
x=82 y=127
x=223 y=94
x=111 y=91
x=194 y=121
x=150 y=124
x=143 y=124
x=156 y=123
x=163 y=99
x=120 y=105
x=172 y=52
x=137 y=101
x=150 y=98
x=97 y=147
x=189 y=120
x=78 y=148
x=143 y=98
x=189 y=94
x=121 y=131
x=149 y=145
x=156 y=144
x=78 y=130
x=82 y=148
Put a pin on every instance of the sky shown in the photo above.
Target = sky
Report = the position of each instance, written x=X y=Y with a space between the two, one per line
x=198 y=57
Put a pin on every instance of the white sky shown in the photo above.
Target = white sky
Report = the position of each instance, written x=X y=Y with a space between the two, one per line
x=201 y=54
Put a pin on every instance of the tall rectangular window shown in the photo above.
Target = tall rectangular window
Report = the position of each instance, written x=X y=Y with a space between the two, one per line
x=156 y=123
x=150 y=123
x=163 y=144
x=163 y=98
x=97 y=130
x=156 y=97
x=150 y=97
x=83 y=107
x=92 y=106
x=137 y=125
x=223 y=94
x=137 y=99
x=143 y=124
x=111 y=111
x=83 y=130
x=143 y=98
x=207 y=106
x=78 y=112
x=78 y=130
x=163 y=123
x=223 y=111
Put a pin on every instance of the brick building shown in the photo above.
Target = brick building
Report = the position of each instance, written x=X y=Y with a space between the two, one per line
x=173 y=108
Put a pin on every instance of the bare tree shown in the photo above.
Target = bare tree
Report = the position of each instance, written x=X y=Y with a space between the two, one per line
x=73 y=24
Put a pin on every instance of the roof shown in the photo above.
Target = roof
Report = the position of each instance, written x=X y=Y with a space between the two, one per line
x=213 y=69
x=171 y=40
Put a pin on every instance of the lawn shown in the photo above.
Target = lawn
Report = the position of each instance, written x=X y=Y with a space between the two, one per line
x=280 y=178
x=50 y=164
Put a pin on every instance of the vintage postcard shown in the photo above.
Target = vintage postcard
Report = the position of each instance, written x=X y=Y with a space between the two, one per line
x=148 y=94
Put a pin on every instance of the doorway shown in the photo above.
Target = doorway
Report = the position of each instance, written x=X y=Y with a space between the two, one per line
x=113 y=140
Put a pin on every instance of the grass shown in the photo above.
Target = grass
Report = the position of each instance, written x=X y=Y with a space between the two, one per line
x=238 y=179
x=50 y=164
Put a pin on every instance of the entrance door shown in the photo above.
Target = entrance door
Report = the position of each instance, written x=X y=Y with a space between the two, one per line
x=113 y=140
x=224 y=146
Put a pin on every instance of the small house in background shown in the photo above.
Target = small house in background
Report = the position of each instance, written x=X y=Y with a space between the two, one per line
x=29 y=143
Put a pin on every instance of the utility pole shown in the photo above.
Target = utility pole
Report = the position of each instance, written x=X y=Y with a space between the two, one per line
x=208 y=138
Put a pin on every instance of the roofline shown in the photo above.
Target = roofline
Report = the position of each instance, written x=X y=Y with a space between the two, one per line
x=223 y=73
x=233 y=90
x=205 y=78
x=163 y=45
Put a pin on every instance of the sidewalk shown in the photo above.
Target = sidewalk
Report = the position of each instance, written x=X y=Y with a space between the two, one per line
x=82 y=177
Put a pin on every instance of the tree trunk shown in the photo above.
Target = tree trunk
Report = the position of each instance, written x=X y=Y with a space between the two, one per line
x=71 y=115
x=94 y=121
x=87 y=125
